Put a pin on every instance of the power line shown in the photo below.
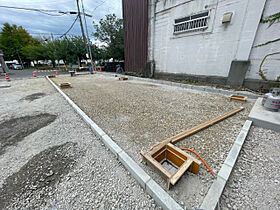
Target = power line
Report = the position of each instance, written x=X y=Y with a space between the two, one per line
x=70 y=26
x=99 y=5
x=44 y=11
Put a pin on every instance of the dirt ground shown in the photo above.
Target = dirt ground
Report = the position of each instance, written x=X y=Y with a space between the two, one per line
x=50 y=158
x=138 y=114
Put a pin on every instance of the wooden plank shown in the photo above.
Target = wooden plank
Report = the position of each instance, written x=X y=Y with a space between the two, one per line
x=195 y=167
x=177 y=151
x=181 y=171
x=173 y=158
x=5 y=85
x=160 y=156
x=238 y=98
x=65 y=85
x=156 y=164
x=156 y=153
x=196 y=163
x=123 y=78
x=180 y=157
x=196 y=129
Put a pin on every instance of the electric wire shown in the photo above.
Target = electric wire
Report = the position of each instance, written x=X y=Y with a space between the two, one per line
x=70 y=27
x=44 y=11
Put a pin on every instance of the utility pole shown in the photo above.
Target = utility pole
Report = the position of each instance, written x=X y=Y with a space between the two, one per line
x=88 y=41
x=81 y=23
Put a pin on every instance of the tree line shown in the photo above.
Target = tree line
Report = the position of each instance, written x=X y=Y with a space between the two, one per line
x=18 y=44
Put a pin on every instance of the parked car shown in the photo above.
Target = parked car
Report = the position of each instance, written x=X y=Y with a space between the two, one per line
x=17 y=67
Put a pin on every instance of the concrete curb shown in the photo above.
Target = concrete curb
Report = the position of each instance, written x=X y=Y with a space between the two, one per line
x=194 y=87
x=161 y=197
x=213 y=196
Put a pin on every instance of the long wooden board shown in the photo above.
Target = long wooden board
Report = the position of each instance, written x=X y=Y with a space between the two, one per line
x=196 y=129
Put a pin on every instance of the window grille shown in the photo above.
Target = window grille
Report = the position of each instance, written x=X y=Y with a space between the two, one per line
x=191 y=23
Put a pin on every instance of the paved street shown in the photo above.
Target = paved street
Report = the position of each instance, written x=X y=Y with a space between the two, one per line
x=28 y=73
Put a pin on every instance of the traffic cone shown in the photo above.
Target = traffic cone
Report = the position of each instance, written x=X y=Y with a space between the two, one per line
x=75 y=71
x=56 y=73
x=34 y=75
x=7 y=77
x=95 y=68
x=100 y=69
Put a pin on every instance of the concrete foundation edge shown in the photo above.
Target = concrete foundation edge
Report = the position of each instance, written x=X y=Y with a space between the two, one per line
x=212 y=198
x=264 y=124
x=194 y=87
x=161 y=197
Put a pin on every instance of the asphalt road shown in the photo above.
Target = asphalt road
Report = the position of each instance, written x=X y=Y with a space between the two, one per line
x=28 y=73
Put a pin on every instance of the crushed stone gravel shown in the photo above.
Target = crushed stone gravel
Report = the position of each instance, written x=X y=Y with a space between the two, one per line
x=138 y=114
x=255 y=180
x=63 y=165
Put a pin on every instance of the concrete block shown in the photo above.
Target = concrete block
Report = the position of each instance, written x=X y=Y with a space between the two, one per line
x=224 y=172
x=226 y=92
x=212 y=90
x=247 y=125
x=211 y=199
x=87 y=119
x=97 y=130
x=176 y=84
x=136 y=171
x=161 y=197
x=166 y=82
x=237 y=73
x=186 y=86
x=241 y=137
x=264 y=118
x=200 y=88
x=233 y=155
x=111 y=145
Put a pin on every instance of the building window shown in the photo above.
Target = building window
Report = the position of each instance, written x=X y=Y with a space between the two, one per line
x=194 y=22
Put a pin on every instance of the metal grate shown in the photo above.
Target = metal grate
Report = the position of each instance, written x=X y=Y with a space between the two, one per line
x=191 y=23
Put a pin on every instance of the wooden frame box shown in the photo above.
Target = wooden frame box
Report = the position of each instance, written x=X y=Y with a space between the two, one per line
x=175 y=156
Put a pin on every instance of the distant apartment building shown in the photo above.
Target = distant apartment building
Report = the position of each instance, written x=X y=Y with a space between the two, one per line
x=216 y=41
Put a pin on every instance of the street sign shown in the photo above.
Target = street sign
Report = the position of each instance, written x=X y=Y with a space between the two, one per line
x=1 y=52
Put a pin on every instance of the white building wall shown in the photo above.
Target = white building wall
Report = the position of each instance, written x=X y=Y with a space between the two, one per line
x=265 y=34
x=208 y=52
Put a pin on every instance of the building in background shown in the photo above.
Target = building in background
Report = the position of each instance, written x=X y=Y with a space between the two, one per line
x=207 y=40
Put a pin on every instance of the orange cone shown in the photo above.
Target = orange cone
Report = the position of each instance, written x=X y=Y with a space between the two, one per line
x=100 y=69
x=34 y=75
x=7 y=77
x=56 y=73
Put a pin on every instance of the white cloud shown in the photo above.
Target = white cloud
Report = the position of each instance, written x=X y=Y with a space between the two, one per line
x=35 y=22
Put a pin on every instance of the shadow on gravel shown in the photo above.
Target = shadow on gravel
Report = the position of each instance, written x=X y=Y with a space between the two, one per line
x=33 y=97
x=14 y=130
x=34 y=182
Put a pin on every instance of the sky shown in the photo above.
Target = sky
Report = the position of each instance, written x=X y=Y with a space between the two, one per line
x=38 y=24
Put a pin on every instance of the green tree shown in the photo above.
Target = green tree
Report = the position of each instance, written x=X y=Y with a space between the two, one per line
x=34 y=52
x=110 y=31
x=12 y=41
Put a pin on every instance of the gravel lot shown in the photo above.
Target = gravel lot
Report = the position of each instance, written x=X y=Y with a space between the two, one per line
x=138 y=114
x=255 y=179
x=50 y=159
